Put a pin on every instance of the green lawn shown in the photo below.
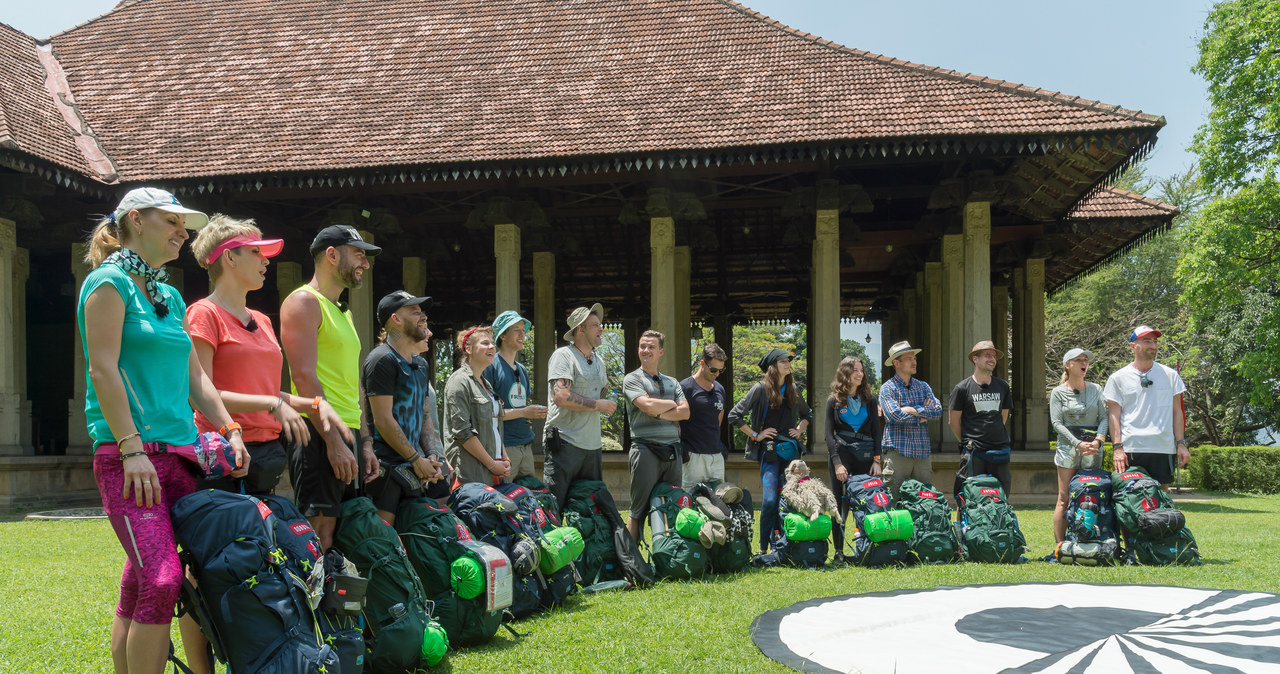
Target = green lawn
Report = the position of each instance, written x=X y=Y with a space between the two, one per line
x=60 y=578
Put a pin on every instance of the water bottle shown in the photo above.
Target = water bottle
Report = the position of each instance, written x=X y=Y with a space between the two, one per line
x=397 y=611
x=1087 y=519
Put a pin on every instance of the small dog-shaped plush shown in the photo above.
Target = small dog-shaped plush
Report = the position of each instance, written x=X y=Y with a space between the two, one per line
x=806 y=495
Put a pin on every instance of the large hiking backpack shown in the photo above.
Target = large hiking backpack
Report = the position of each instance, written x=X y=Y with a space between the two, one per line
x=735 y=553
x=933 y=539
x=610 y=553
x=396 y=616
x=1155 y=531
x=869 y=497
x=495 y=519
x=675 y=556
x=433 y=538
x=989 y=528
x=555 y=586
x=1090 y=538
x=254 y=610
x=807 y=554
x=539 y=491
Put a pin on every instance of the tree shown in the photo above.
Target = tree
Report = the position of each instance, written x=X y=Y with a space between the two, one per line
x=1240 y=61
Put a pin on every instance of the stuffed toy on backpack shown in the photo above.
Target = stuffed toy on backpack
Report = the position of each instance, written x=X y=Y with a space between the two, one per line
x=989 y=530
x=1155 y=531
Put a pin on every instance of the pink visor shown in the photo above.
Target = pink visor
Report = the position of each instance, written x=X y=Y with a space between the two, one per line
x=270 y=247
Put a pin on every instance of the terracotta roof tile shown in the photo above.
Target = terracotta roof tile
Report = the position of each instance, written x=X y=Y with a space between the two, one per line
x=29 y=121
x=1115 y=203
x=180 y=88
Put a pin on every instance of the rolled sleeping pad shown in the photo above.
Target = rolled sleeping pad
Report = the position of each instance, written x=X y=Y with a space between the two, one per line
x=1087 y=554
x=689 y=522
x=800 y=528
x=435 y=643
x=559 y=547
x=466 y=577
x=892 y=525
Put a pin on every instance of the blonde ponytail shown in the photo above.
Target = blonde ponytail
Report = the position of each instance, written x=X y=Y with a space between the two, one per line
x=103 y=241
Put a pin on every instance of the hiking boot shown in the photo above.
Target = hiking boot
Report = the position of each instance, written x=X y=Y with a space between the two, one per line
x=729 y=493
x=838 y=560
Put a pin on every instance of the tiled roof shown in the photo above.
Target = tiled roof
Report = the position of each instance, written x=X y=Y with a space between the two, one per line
x=29 y=122
x=186 y=88
x=1116 y=203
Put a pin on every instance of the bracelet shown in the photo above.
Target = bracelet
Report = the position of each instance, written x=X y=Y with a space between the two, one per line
x=231 y=426
x=130 y=455
x=315 y=404
x=1117 y=445
x=273 y=408
x=135 y=434
x=1180 y=443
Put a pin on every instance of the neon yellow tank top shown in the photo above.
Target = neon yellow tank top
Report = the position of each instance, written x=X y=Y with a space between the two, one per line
x=337 y=360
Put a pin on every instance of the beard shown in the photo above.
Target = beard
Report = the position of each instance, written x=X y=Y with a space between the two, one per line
x=416 y=332
x=347 y=275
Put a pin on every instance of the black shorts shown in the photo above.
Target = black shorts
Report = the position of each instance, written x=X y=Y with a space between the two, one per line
x=315 y=489
x=1159 y=466
x=266 y=465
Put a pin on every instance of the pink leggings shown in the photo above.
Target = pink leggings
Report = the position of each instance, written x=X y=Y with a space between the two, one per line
x=152 y=576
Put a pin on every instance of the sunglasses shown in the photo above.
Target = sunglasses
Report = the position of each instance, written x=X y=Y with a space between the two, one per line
x=715 y=370
x=1142 y=379
x=657 y=380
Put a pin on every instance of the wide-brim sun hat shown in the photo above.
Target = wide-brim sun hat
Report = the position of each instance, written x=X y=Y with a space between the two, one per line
x=507 y=319
x=900 y=349
x=986 y=345
x=579 y=316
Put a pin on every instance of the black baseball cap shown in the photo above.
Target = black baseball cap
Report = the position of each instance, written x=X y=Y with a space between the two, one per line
x=397 y=300
x=342 y=235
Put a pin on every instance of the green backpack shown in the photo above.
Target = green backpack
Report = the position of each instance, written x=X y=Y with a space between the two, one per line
x=990 y=531
x=395 y=610
x=933 y=540
x=599 y=559
x=431 y=535
x=674 y=556
x=736 y=552
x=1154 y=530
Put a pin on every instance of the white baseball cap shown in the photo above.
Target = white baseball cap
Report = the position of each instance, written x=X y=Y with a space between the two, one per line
x=153 y=197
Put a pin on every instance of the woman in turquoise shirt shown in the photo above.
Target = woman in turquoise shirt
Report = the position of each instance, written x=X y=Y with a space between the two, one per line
x=141 y=373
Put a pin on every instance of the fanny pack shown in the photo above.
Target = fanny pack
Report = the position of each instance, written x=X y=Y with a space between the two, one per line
x=1084 y=433
x=667 y=452
x=862 y=445
x=402 y=474
x=993 y=455
x=785 y=449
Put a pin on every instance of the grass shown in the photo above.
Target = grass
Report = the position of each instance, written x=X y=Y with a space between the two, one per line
x=60 y=580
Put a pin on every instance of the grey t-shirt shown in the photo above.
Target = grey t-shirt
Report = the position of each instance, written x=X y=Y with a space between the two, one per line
x=639 y=383
x=580 y=429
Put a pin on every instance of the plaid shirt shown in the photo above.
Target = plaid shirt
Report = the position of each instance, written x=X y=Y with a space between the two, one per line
x=904 y=432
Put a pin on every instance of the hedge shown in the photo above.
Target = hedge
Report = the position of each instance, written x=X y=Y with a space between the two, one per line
x=1244 y=469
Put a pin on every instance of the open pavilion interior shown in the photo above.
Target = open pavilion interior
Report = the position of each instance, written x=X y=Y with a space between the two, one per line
x=680 y=161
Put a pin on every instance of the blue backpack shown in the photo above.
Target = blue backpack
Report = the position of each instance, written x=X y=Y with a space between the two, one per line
x=249 y=601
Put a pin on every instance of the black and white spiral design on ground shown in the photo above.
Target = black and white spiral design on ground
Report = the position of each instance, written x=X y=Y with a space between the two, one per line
x=1067 y=628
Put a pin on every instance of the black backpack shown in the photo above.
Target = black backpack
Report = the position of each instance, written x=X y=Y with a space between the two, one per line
x=536 y=521
x=432 y=536
x=494 y=518
x=869 y=495
x=803 y=554
x=611 y=553
x=933 y=540
x=674 y=556
x=1155 y=531
x=250 y=605
x=989 y=529
x=396 y=616
x=540 y=492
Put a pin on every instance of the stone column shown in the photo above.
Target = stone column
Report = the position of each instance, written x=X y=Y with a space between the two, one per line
x=679 y=340
x=824 y=307
x=723 y=328
x=662 y=274
x=78 y=441
x=977 y=272
x=1017 y=378
x=933 y=338
x=1037 y=399
x=1000 y=327
x=954 y=352
x=21 y=272
x=363 y=307
x=911 y=325
x=10 y=394
x=413 y=276
x=921 y=323
x=546 y=329
x=506 y=251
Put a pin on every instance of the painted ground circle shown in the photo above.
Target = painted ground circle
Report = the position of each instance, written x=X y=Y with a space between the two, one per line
x=1028 y=627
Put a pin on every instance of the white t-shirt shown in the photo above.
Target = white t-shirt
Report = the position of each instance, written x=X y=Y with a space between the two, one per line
x=1146 y=417
x=579 y=428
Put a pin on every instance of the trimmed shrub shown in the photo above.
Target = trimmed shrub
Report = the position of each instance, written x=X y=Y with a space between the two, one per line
x=1253 y=470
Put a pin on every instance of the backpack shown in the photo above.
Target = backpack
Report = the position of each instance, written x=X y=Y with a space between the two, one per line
x=495 y=519
x=433 y=537
x=933 y=540
x=735 y=553
x=989 y=530
x=395 y=613
x=539 y=491
x=869 y=496
x=555 y=584
x=1090 y=538
x=610 y=553
x=1155 y=531
x=803 y=554
x=674 y=555
x=254 y=610
x=302 y=552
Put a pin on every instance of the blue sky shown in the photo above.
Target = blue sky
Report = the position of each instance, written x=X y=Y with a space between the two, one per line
x=1134 y=53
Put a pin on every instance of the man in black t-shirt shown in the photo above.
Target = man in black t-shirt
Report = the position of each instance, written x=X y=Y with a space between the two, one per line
x=700 y=433
x=979 y=413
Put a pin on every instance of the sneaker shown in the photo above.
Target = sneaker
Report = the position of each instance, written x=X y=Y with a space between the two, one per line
x=1050 y=558
x=838 y=560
